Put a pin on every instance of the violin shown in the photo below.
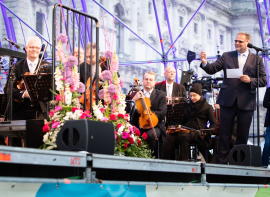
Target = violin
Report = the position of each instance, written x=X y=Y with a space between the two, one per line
x=88 y=91
x=148 y=119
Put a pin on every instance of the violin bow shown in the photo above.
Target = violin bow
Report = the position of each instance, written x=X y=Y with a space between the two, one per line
x=37 y=69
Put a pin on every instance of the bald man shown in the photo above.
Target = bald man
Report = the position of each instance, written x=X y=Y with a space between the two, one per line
x=172 y=88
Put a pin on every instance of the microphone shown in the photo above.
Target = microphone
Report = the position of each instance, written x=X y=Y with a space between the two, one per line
x=13 y=43
x=256 y=48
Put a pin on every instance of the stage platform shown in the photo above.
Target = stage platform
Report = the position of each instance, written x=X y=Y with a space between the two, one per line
x=34 y=165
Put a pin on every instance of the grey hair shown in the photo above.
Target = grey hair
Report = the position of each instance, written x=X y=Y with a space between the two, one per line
x=35 y=38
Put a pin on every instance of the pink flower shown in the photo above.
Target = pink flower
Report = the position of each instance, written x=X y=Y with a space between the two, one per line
x=115 y=65
x=58 y=108
x=118 y=126
x=63 y=79
x=72 y=89
x=111 y=89
x=102 y=110
x=112 y=117
x=115 y=97
x=81 y=88
x=124 y=135
x=62 y=37
x=118 y=103
x=104 y=119
x=122 y=82
x=101 y=94
x=51 y=113
x=74 y=109
x=106 y=75
x=115 y=132
x=108 y=54
x=139 y=142
x=46 y=128
x=82 y=116
x=72 y=61
x=58 y=97
x=130 y=139
x=55 y=124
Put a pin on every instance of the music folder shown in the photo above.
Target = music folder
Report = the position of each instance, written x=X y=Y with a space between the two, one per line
x=43 y=82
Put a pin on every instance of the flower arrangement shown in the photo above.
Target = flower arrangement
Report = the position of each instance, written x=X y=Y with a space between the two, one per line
x=129 y=141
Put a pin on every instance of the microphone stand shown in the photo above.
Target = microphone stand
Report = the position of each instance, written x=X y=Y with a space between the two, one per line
x=10 y=85
x=258 y=109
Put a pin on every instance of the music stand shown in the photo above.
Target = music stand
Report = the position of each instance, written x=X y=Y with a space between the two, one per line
x=43 y=85
x=174 y=113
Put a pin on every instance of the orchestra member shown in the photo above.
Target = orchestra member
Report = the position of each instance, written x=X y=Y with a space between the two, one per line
x=196 y=115
x=88 y=63
x=23 y=109
x=158 y=106
x=172 y=88
x=266 y=148
x=76 y=54
x=237 y=96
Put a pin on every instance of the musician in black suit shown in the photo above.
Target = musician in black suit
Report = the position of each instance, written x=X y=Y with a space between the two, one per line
x=172 y=88
x=196 y=115
x=158 y=106
x=23 y=109
x=237 y=96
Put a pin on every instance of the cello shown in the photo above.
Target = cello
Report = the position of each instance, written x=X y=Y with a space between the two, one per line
x=148 y=119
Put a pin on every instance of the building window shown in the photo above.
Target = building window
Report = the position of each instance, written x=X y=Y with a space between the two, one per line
x=181 y=21
x=149 y=8
x=195 y=28
x=209 y=34
x=221 y=39
x=39 y=22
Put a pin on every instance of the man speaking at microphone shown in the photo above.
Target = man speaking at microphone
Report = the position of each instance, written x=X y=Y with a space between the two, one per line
x=237 y=96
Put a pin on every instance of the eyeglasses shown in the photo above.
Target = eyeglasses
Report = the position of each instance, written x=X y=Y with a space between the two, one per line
x=240 y=41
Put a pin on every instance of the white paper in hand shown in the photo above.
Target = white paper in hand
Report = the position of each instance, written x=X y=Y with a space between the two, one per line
x=234 y=73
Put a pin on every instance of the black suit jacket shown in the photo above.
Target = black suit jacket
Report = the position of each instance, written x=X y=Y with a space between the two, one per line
x=232 y=88
x=21 y=110
x=266 y=104
x=178 y=90
x=158 y=106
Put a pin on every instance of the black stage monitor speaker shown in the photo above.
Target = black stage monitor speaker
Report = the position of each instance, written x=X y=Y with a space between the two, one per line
x=87 y=135
x=245 y=155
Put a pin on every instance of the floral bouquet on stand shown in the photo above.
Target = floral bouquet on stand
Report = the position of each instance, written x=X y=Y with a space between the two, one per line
x=129 y=141
x=69 y=88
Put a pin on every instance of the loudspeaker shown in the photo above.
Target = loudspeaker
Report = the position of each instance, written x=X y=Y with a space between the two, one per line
x=245 y=155
x=86 y=135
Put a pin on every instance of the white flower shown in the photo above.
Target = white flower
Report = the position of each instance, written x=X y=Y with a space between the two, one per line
x=68 y=95
x=120 y=130
x=45 y=137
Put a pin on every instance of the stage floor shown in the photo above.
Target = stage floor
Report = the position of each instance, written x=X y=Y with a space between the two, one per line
x=34 y=165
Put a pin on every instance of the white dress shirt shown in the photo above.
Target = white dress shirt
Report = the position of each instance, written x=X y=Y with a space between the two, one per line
x=242 y=59
x=147 y=94
x=32 y=65
x=169 y=88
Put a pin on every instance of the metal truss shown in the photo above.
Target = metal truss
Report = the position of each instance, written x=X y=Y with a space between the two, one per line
x=163 y=54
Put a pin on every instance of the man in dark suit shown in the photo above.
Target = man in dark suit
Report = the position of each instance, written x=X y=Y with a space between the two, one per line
x=158 y=106
x=171 y=88
x=237 y=96
x=23 y=109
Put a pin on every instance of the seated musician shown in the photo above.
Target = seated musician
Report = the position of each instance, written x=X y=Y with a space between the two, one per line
x=76 y=54
x=172 y=88
x=88 y=63
x=158 y=106
x=196 y=115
